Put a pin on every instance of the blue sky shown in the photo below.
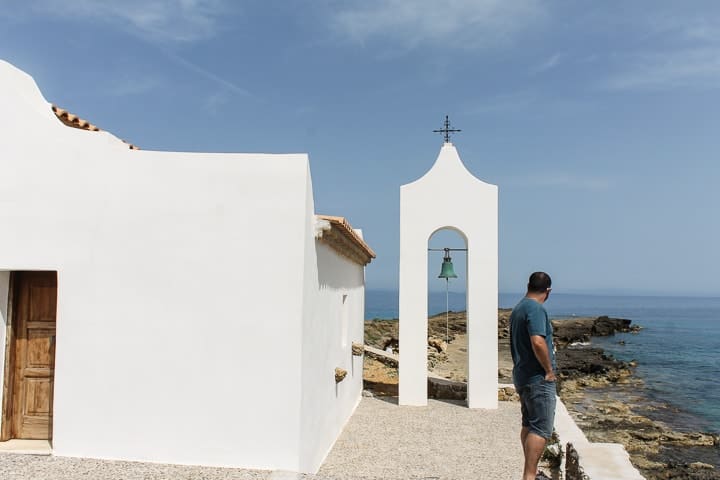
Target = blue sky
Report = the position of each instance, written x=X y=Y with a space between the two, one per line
x=599 y=121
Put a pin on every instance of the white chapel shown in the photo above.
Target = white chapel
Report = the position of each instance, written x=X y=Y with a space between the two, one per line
x=130 y=325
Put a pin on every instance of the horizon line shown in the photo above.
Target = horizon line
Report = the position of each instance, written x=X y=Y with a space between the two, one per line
x=590 y=293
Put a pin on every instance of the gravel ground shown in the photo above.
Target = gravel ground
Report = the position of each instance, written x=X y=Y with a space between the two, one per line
x=381 y=441
x=441 y=441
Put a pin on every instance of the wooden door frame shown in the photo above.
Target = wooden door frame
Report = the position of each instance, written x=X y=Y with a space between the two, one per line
x=9 y=371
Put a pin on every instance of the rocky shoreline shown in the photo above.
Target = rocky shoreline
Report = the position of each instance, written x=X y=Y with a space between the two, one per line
x=602 y=393
x=608 y=403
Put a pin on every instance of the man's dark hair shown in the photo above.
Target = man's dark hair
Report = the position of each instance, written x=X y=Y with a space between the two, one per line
x=539 y=282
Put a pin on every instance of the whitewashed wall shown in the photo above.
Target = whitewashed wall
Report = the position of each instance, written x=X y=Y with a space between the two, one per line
x=471 y=209
x=4 y=321
x=335 y=321
x=181 y=305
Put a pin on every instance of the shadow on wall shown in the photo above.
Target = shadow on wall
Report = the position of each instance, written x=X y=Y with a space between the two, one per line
x=336 y=271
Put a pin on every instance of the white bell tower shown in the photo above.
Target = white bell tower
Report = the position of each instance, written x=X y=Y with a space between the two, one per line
x=449 y=196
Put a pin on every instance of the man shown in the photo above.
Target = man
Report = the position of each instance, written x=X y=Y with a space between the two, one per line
x=531 y=345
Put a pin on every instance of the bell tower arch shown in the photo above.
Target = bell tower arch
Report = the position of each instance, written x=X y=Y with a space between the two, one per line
x=470 y=208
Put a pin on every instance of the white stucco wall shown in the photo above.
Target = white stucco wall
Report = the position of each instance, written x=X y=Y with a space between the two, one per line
x=471 y=209
x=181 y=307
x=335 y=319
x=4 y=320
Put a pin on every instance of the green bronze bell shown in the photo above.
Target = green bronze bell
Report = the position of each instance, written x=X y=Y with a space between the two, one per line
x=447 y=270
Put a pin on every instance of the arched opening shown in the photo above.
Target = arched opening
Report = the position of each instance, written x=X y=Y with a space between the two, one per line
x=447 y=349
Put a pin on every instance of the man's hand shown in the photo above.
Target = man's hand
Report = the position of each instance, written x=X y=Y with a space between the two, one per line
x=540 y=348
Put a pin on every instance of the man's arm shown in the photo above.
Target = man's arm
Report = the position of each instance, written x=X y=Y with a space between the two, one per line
x=543 y=356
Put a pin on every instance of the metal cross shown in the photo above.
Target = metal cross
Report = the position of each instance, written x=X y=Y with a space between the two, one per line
x=447 y=130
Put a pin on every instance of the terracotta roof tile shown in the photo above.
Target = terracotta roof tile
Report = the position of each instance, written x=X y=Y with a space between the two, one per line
x=345 y=240
x=74 y=121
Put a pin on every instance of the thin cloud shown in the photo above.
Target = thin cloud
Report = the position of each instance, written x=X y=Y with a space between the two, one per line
x=687 y=54
x=160 y=23
x=462 y=23
x=207 y=74
x=163 y=20
x=660 y=71
x=548 y=64
x=684 y=27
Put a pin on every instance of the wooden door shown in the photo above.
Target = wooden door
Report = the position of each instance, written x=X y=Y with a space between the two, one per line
x=34 y=308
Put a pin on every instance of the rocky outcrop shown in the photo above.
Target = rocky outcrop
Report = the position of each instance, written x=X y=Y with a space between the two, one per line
x=572 y=330
x=581 y=361
x=603 y=396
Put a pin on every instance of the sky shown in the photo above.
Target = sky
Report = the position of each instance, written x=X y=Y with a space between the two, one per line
x=598 y=121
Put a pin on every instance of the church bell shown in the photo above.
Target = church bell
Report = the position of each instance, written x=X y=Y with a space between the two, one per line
x=447 y=270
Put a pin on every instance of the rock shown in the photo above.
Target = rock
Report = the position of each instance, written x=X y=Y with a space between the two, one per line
x=701 y=466
x=434 y=357
x=437 y=344
x=646 y=436
x=381 y=333
x=368 y=394
x=575 y=362
x=505 y=374
x=553 y=453
x=340 y=374
x=567 y=331
x=689 y=439
x=508 y=394
x=357 y=349
x=446 y=389
x=573 y=469
x=604 y=326
x=504 y=322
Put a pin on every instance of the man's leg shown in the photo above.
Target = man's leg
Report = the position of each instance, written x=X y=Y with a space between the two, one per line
x=533 y=446
x=523 y=436
x=541 y=414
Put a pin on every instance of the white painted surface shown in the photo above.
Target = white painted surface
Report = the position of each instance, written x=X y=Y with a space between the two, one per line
x=600 y=461
x=472 y=210
x=191 y=325
x=26 y=447
x=4 y=321
x=566 y=427
x=327 y=405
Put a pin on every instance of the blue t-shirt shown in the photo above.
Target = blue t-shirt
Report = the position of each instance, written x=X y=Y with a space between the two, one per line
x=529 y=317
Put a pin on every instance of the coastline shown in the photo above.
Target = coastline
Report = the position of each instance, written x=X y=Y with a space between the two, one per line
x=609 y=403
x=603 y=395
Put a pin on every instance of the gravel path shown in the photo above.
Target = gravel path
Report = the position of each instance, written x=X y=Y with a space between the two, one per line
x=441 y=441
x=381 y=441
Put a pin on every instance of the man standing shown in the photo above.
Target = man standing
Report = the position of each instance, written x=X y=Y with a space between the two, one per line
x=533 y=356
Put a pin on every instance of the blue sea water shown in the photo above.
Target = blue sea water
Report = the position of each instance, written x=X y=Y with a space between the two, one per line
x=678 y=349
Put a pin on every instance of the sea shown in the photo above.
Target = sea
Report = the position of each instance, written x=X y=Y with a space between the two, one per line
x=677 y=351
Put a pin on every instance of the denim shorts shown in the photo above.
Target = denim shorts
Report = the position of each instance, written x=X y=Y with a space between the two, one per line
x=537 y=403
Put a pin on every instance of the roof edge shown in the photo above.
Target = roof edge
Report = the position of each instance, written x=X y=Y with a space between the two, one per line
x=341 y=237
